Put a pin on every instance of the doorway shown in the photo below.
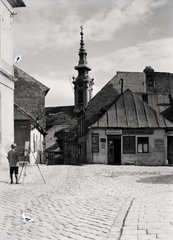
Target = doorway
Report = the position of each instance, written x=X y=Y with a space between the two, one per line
x=114 y=150
x=170 y=150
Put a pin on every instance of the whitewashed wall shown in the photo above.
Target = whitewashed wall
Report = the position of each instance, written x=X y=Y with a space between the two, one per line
x=6 y=83
x=36 y=146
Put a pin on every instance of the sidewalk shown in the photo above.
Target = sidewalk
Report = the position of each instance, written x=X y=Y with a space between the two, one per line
x=145 y=218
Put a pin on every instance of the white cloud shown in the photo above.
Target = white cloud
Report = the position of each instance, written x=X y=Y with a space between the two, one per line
x=55 y=25
x=157 y=53
x=153 y=31
x=61 y=89
x=103 y=25
x=158 y=3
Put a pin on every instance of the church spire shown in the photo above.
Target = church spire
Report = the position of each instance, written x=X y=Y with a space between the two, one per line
x=82 y=83
x=82 y=53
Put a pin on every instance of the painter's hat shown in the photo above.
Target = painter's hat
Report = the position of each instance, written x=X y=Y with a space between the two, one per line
x=14 y=145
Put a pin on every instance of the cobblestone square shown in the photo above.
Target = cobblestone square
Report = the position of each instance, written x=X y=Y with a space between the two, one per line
x=88 y=202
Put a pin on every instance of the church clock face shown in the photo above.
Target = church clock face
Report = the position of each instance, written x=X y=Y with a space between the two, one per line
x=80 y=84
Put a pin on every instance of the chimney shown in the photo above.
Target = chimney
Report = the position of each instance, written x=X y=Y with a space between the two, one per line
x=150 y=81
x=145 y=97
x=148 y=69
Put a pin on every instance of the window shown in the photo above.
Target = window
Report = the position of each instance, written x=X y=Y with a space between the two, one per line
x=34 y=143
x=95 y=142
x=143 y=145
x=103 y=143
x=128 y=144
x=80 y=97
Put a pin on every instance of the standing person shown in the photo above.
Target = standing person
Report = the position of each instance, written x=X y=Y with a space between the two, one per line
x=13 y=160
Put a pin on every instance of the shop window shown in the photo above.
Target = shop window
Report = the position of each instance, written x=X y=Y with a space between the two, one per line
x=128 y=144
x=143 y=145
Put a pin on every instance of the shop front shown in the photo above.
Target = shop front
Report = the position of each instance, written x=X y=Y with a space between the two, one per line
x=129 y=146
x=130 y=132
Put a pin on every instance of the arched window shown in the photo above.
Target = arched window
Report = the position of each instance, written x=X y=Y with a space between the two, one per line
x=80 y=99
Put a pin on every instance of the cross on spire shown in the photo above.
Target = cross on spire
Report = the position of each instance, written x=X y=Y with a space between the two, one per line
x=82 y=41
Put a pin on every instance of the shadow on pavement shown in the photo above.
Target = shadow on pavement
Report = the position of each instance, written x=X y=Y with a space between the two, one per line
x=162 y=179
x=72 y=165
x=4 y=182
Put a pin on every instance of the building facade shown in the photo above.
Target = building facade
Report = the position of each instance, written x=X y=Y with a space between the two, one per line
x=7 y=79
x=129 y=132
x=29 y=95
x=62 y=118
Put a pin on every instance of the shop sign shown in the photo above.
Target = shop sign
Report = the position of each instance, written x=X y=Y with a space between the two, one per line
x=114 y=132
x=159 y=145
x=170 y=133
x=138 y=131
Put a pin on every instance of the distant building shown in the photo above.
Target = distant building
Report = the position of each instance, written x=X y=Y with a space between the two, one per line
x=29 y=121
x=7 y=78
x=62 y=118
x=126 y=122
x=128 y=131
x=83 y=84
x=106 y=124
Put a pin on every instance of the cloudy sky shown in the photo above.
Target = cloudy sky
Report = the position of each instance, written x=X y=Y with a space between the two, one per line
x=119 y=35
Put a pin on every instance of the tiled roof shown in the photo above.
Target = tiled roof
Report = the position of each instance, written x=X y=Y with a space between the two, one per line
x=23 y=76
x=19 y=114
x=135 y=81
x=53 y=110
x=53 y=148
x=50 y=138
x=22 y=114
x=60 y=116
x=16 y=3
x=106 y=95
x=29 y=94
x=159 y=102
x=129 y=111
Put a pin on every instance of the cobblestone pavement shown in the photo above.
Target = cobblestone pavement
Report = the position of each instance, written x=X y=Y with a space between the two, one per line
x=99 y=202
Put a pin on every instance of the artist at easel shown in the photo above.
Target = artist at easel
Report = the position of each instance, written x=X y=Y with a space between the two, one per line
x=25 y=161
x=26 y=154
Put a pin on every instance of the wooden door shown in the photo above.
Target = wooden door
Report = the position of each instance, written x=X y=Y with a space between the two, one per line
x=21 y=134
x=170 y=150
x=114 y=150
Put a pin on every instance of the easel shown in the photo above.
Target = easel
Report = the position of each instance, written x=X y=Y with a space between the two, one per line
x=27 y=148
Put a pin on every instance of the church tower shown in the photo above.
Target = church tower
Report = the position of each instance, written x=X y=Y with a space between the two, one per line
x=82 y=83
